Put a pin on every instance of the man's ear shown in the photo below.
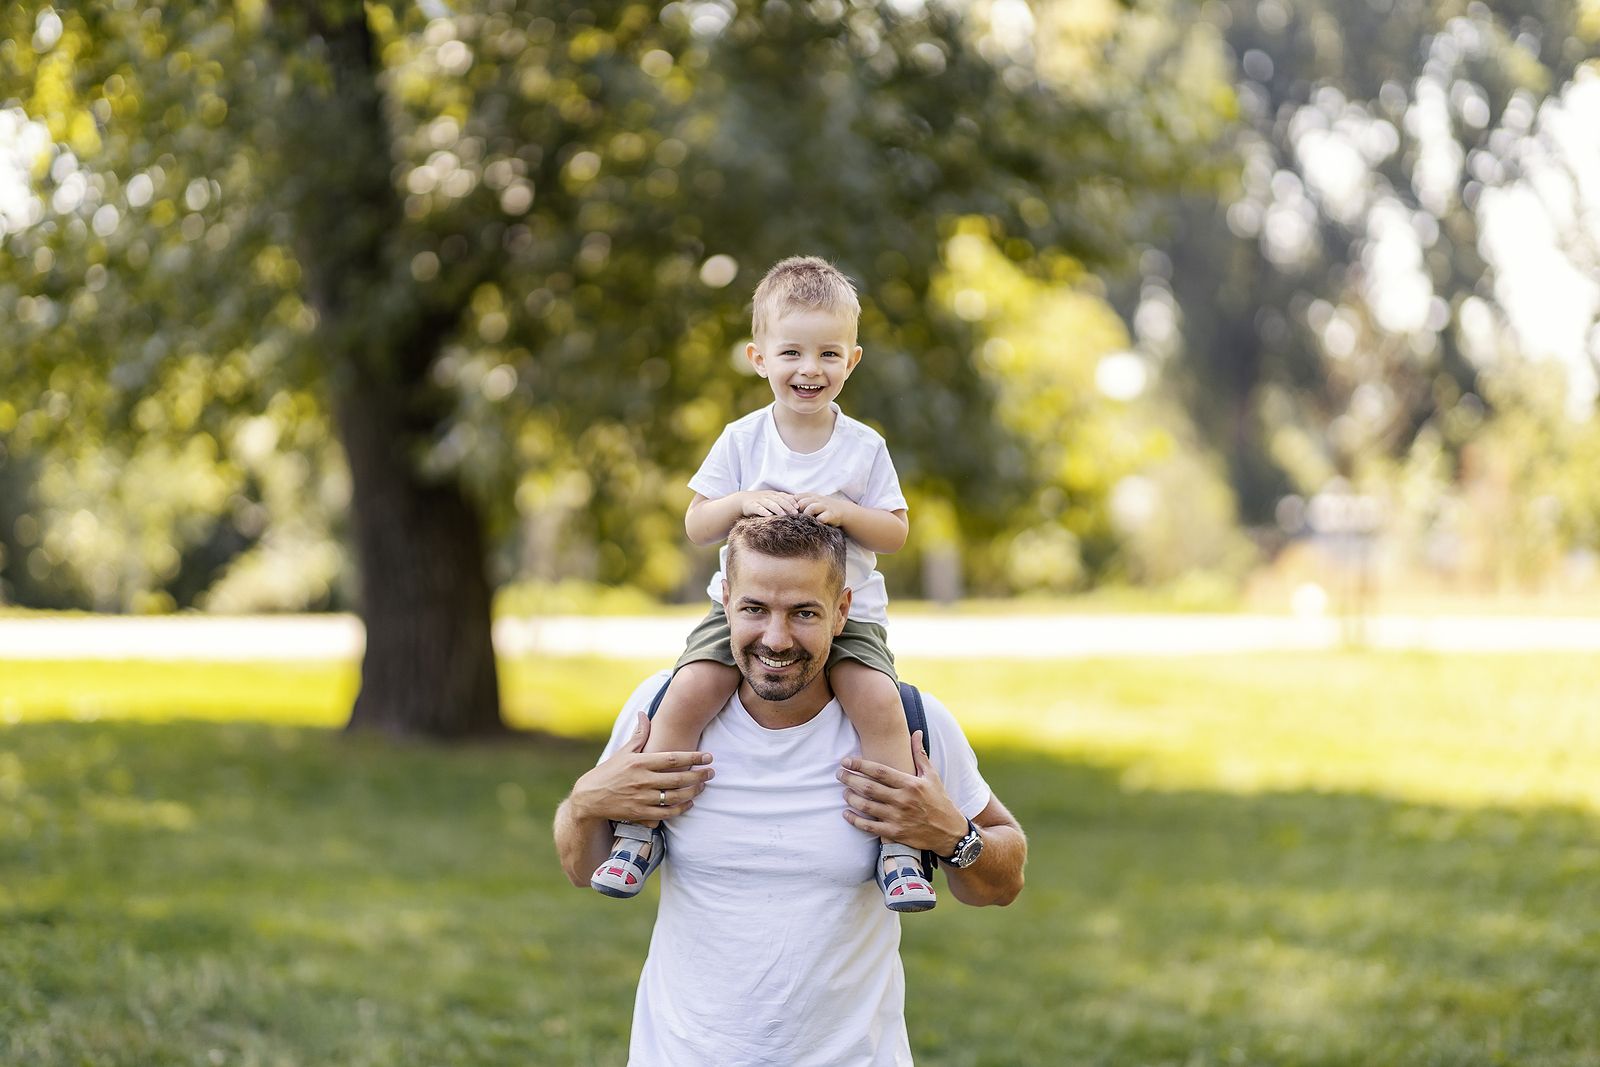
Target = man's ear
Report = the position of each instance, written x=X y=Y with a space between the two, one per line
x=757 y=360
x=844 y=610
x=724 y=596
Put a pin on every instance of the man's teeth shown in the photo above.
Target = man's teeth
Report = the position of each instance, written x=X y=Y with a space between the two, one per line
x=775 y=663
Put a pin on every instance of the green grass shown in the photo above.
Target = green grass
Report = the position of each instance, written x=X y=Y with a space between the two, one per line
x=1316 y=860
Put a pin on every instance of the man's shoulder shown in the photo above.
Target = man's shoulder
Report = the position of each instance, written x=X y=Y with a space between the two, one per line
x=638 y=701
x=941 y=723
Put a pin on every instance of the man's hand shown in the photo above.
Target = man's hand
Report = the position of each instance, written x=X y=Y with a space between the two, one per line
x=913 y=810
x=825 y=509
x=768 y=502
x=632 y=783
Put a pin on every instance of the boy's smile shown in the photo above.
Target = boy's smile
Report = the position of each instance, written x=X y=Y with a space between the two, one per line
x=806 y=355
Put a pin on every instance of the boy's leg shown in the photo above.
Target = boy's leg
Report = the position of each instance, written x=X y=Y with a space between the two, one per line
x=871 y=700
x=694 y=696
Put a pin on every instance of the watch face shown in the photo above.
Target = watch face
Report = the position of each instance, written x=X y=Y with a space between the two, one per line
x=967 y=850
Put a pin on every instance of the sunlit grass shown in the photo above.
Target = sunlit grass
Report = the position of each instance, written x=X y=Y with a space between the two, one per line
x=1323 y=859
x=1509 y=729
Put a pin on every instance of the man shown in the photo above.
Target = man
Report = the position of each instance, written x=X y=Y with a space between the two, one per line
x=798 y=962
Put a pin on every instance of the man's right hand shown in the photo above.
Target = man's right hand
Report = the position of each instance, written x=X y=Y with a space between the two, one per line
x=632 y=783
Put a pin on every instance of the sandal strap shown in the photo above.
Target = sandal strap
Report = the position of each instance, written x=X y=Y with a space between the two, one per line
x=898 y=851
x=634 y=831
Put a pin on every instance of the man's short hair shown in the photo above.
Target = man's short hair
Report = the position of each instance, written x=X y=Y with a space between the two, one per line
x=789 y=537
x=803 y=283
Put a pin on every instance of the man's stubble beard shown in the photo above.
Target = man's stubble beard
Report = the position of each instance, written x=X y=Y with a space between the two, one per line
x=776 y=691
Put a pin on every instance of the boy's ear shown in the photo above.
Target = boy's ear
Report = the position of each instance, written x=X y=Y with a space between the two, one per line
x=757 y=360
x=855 y=357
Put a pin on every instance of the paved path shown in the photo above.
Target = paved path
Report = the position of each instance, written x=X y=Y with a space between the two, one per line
x=339 y=637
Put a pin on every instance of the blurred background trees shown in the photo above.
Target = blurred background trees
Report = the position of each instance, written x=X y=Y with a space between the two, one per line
x=338 y=305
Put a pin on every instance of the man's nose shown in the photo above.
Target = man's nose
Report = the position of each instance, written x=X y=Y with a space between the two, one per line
x=777 y=636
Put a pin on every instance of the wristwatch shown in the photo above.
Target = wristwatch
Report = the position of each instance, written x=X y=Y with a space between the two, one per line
x=967 y=850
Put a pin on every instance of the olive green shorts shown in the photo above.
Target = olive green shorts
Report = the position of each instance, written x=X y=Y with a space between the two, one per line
x=864 y=642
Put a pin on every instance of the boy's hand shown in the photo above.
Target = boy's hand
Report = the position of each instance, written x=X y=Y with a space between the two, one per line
x=825 y=509
x=769 y=502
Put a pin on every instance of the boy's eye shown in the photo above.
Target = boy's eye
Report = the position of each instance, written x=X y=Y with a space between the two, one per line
x=830 y=355
x=790 y=352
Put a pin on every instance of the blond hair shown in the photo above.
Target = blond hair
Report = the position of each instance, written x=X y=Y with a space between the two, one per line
x=803 y=283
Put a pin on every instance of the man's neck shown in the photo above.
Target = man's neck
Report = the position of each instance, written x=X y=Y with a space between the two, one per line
x=783 y=714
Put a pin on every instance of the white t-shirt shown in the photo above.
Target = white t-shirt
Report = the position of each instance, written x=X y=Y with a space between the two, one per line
x=854 y=463
x=792 y=961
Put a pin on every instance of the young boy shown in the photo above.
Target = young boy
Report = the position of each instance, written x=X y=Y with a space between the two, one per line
x=798 y=455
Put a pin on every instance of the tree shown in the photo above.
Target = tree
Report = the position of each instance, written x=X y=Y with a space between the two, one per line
x=496 y=238
x=1329 y=303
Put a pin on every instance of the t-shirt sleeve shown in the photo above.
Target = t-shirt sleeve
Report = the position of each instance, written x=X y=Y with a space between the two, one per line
x=720 y=472
x=954 y=759
x=627 y=718
x=883 y=484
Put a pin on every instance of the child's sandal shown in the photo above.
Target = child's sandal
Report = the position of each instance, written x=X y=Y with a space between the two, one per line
x=623 y=874
x=906 y=888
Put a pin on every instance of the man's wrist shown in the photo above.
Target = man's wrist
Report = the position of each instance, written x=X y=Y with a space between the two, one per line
x=953 y=838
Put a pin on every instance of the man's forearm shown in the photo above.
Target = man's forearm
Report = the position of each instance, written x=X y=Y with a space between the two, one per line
x=582 y=843
x=997 y=876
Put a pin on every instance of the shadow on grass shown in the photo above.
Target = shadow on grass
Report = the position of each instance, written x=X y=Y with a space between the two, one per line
x=275 y=895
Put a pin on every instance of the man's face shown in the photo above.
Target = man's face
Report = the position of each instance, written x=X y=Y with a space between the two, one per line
x=784 y=615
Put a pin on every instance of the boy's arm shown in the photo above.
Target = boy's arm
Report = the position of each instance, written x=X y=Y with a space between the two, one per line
x=873 y=529
x=709 y=519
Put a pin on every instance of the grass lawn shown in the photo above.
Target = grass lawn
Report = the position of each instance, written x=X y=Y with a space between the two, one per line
x=1324 y=859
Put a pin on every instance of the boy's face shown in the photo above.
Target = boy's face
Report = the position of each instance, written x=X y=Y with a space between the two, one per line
x=806 y=355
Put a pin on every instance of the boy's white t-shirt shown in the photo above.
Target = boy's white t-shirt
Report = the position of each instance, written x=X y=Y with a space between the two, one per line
x=772 y=946
x=855 y=463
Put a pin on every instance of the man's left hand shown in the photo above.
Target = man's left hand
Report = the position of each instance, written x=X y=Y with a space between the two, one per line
x=914 y=810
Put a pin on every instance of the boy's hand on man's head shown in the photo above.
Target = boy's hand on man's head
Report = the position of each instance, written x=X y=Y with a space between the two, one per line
x=769 y=502
x=825 y=509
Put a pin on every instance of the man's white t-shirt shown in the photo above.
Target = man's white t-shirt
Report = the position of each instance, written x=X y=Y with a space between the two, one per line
x=855 y=463
x=772 y=946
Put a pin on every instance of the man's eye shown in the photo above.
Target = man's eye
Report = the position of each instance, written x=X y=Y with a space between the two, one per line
x=750 y=611
x=806 y=614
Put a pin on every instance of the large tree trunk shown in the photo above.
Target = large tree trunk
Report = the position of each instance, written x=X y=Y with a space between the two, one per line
x=429 y=664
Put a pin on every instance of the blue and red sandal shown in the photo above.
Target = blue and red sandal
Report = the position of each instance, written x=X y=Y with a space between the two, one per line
x=623 y=873
x=907 y=887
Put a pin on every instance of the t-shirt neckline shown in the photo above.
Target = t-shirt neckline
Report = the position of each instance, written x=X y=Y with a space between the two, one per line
x=827 y=446
x=797 y=730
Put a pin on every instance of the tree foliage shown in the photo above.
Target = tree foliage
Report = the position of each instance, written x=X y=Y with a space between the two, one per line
x=502 y=249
